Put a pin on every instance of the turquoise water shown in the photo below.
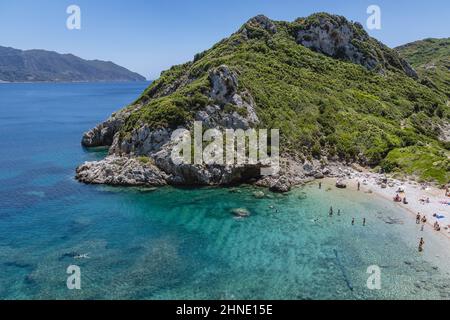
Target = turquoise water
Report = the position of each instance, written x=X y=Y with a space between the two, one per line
x=181 y=243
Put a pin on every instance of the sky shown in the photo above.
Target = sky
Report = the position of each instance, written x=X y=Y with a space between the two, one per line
x=149 y=36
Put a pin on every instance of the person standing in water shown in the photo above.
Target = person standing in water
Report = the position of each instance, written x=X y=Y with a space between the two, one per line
x=331 y=211
x=364 y=222
x=320 y=185
x=353 y=221
x=421 y=243
x=339 y=212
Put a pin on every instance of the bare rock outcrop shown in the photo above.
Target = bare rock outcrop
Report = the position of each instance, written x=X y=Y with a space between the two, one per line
x=121 y=171
x=103 y=134
x=337 y=37
x=259 y=22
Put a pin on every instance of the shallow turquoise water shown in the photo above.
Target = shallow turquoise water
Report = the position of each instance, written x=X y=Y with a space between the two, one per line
x=181 y=243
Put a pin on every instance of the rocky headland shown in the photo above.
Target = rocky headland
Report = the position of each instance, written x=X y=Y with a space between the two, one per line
x=339 y=97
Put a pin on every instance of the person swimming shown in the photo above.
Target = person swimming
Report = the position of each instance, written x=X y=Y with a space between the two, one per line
x=421 y=244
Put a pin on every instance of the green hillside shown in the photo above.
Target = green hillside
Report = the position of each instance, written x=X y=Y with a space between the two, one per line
x=361 y=104
x=431 y=59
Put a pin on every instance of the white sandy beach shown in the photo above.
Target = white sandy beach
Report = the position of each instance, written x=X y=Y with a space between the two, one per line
x=414 y=192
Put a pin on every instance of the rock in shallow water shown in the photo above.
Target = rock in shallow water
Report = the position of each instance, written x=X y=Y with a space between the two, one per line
x=240 y=212
x=258 y=194
x=341 y=184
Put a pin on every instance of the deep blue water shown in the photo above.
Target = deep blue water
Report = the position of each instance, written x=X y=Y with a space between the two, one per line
x=181 y=243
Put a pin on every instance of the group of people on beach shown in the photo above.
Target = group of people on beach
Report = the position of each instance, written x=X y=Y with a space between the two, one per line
x=331 y=212
x=398 y=198
x=423 y=220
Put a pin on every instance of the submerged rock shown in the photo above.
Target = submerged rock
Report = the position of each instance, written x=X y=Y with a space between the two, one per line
x=146 y=190
x=258 y=194
x=240 y=212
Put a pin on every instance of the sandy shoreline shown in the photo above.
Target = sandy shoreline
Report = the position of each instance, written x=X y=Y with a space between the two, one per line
x=414 y=192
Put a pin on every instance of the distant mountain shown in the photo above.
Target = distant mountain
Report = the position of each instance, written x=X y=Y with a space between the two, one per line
x=431 y=59
x=40 y=65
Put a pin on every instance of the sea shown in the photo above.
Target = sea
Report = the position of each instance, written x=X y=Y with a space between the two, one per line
x=184 y=243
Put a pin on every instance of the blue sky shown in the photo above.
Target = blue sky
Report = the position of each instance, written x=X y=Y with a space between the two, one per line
x=148 y=36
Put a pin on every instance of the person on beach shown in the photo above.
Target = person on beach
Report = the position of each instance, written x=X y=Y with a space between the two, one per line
x=424 y=219
x=353 y=221
x=437 y=227
x=359 y=185
x=331 y=211
x=421 y=243
x=422 y=227
x=418 y=218
x=404 y=201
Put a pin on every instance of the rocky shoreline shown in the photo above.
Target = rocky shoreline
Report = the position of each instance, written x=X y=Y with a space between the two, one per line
x=126 y=170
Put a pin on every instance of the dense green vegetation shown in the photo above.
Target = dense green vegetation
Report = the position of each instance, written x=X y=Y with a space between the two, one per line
x=425 y=162
x=431 y=59
x=323 y=106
